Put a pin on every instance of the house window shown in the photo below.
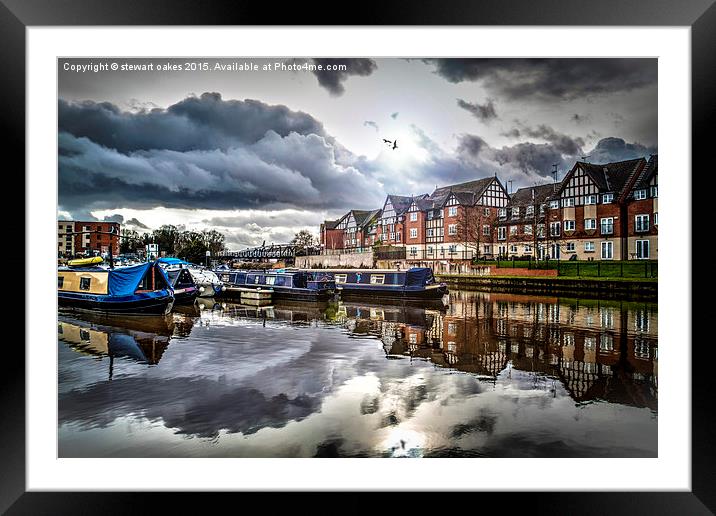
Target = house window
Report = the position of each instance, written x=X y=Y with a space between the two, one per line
x=452 y=229
x=569 y=225
x=540 y=230
x=528 y=230
x=654 y=191
x=528 y=248
x=515 y=213
x=641 y=223
x=430 y=250
x=568 y=202
x=398 y=237
x=452 y=211
x=607 y=198
x=553 y=205
x=502 y=233
x=486 y=249
x=570 y=246
x=554 y=228
x=413 y=250
x=502 y=213
x=378 y=279
x=486 y=229
x=589 y=247
x=513 y=230
x=590 y=223
x=486 y=212
x=429 y=232
x=639 y=194
x=513 y=248
x=85 y=283
x=607 y=250
x=656 y=220
x=413 y=232
x=413 y=216
x=642 y=249
x=529 y=211
x=60 y=281
x=608 y=226
x=452 y=249
x=590 y=199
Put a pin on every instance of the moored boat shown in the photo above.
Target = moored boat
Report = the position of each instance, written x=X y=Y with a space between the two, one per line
x=181 y=280
x=285 y=284
x=141 y=289
x=416 y=283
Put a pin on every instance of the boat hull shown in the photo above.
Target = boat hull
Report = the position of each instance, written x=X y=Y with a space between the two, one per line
x=185 y=296
x=372 y=291
x=141 y=304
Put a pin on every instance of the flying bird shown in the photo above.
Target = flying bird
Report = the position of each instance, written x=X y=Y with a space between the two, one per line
x=387 y=141
x=395 y=144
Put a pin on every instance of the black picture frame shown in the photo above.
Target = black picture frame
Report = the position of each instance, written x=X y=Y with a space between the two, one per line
x=17 y=15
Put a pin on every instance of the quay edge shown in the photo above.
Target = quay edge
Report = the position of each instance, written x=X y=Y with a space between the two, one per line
x=615 y=288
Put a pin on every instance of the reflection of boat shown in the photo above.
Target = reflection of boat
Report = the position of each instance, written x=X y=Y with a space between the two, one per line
x=181 y=280
x=141 y=289
x=285 y=284
x=143 y=340
x=417 y=283
x=207 y=303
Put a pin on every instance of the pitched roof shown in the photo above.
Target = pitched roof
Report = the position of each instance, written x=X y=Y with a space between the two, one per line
x=369 y=218
x=400 y=203
x=542 y=193
x=610 y=177
x=651 y=168
x=330 y=224
x=465 y=193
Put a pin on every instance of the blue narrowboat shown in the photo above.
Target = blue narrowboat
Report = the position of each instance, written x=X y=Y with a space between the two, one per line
x=285 y=284
x=142 y=289
x=416 y=283
x=181 y=280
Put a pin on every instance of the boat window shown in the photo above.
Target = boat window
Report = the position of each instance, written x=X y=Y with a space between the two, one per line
x=85 y=283
x=84 y=334
x=60 y=281
x=341 y=278
x=270 y=280
x=225 y=277
x=377 y=278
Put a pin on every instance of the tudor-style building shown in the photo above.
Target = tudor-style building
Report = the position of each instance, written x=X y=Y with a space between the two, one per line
x=390 y=228
x=356 y=228
x=588 y=216
x=643 y=214
x=521 y=228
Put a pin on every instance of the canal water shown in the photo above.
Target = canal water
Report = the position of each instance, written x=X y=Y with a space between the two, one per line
x=492 y=375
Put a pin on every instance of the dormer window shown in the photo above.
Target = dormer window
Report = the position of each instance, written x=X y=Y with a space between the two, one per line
x=590 y=199
x=502 y=213
x=568 y=202
x=553 y=205
x=639 y=194
x=607 y=198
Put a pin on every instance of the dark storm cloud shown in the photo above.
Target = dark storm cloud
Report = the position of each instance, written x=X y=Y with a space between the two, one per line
x=471 y=145
x=484 y=112
x=370 y=123
x=563 y=143
x=205 y=122
x=198 y=153
x=530 y=158
x=292 y=171
x=550 y=78
x=113 y=218
x=333 y=80
x=616 y=149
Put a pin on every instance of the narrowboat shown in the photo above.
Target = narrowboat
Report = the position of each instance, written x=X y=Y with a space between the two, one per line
x=206 y=280
x=286 y=284
x=140 y=289
x=181 y=280
x=416 y=283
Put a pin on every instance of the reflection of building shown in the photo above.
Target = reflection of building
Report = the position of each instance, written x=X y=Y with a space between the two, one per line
x=598 y=350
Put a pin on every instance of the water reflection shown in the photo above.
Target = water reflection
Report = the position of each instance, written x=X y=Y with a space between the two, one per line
x=493 y=375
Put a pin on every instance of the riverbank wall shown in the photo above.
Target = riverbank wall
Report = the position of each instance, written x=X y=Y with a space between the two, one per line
x=609 y=288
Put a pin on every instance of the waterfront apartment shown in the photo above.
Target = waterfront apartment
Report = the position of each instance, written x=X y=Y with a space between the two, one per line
x=78 y=237
x=597 y=212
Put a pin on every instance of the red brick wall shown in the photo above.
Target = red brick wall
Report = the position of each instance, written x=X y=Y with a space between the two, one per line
x=418 y=224
x=640 y=207
x=332 y=239
x=97 y=241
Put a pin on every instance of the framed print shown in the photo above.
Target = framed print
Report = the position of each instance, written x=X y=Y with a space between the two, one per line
x=288 y=254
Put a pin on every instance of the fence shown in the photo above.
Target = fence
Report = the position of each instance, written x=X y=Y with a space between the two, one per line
x=604 y=268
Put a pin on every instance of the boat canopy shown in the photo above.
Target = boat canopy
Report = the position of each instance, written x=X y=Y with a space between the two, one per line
x=419 y=276
x=124 y=281
x=172 y=261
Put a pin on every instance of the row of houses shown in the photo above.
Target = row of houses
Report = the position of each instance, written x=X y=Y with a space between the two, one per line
x=77 y=237
x=597 y=212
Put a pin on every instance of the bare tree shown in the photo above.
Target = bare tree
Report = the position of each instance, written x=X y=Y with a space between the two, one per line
x=470 y=226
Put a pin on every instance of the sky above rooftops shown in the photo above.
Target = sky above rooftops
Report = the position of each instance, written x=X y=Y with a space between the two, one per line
x=260 y=154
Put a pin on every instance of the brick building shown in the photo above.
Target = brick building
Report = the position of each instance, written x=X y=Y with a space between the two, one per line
x=65 y=238
x=97 y=240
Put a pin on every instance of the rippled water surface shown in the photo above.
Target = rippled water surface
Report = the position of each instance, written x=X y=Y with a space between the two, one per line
x=496 y=375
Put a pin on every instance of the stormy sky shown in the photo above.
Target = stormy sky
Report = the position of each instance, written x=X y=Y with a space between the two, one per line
x=260 y=153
